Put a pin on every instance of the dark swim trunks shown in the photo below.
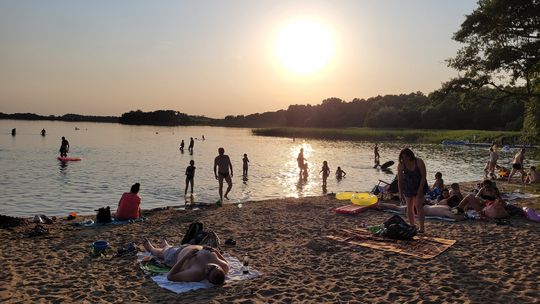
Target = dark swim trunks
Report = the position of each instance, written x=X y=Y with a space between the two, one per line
x=516 y=166
x=224 y=175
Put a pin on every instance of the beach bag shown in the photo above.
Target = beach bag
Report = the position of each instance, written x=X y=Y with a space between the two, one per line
x=495 y=210
x=103 y=215
x=193 y=231
x=396 y=228
x=211 y=239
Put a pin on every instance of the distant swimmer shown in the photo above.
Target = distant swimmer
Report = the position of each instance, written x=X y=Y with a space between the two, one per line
x=223 y=170
x=64 y=147
x=43 y=132
x=190 y=176
x=191 y=144
x=340 y=173
x=245 y=160
x=182 y=146
x=13 y=131
x=203 y=137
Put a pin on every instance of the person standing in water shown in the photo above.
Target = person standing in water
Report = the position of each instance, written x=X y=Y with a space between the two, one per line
x=191 y=144
x=64 y=147
x=190 y=176
x=245 y=160
x=223 y=170
x=325 y=173
x=182 y=145
x=43 y=132
x=412 y=185
x=376 y=155
x=517 y=165
x=13 y=131
x=340 y=173
x=300 y=159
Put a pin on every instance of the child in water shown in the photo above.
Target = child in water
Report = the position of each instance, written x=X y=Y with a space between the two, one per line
x=325 y=172
x=190 y=175
x=245 y=160
x=305 y=171
x=340 y=173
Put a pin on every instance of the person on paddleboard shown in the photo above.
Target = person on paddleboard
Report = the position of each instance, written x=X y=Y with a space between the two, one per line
x=64 y=147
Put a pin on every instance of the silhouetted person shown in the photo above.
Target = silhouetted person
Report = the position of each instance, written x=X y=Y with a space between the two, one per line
x=340 y=173
x=325 y=173
x=245 y=160
x=305 y=171
x=203 y=137
x=190 y=176
x=300 y=159
x=43 y=132
x=223 y=171
x=376 y=155
x=13 y=131
x=191 y=144
x=64 y=147
x=182 y=146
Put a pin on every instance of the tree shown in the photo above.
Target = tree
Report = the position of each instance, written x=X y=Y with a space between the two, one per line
x=502 y=50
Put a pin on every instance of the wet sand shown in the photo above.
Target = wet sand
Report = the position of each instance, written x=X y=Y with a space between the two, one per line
x=285 y=239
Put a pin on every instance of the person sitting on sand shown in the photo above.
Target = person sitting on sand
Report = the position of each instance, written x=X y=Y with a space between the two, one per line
x=487 y=193
x=517 y=165
x=445 y=194
x=340 y=173
x=439 y=182
x=325 y=173
x=533 y=177
x=191 y=263
x=223 y=170
x=129 y=204
x=454 y=190
x=442 y=210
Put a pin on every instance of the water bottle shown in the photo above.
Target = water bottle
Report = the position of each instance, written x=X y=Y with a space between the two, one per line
x=245 y=265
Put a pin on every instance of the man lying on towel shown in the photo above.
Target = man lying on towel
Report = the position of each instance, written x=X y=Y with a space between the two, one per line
x=191 y=263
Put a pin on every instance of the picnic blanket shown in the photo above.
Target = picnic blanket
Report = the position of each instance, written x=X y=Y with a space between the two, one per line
x=421 y=246
x=235 y=274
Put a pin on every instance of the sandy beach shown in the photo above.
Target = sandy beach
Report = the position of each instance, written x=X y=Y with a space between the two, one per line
x=285 y=240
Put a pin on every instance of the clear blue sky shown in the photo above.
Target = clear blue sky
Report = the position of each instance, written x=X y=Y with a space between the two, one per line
x=215 y=58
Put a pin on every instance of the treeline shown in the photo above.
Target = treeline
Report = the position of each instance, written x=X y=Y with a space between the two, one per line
x=163 y=118
x=485 y=110
x=66 y=117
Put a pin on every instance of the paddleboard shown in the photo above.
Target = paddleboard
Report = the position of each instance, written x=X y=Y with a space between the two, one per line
x=65 y=159
x=387 y=164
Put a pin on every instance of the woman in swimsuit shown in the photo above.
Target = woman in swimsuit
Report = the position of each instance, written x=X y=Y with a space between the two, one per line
x=412 y=185
x=488 y=192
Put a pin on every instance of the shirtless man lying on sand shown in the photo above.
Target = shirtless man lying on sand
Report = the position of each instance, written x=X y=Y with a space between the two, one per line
x=191 y=263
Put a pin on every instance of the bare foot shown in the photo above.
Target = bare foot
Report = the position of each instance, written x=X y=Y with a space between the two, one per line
x=226 y=197
x=164 y=243
x=147 y=245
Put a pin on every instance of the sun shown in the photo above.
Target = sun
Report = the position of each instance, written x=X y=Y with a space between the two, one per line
x=304 y=46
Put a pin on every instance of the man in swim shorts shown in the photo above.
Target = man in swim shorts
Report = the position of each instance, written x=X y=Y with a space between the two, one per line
x=191 y=263
x=222 y=164
x=64 y=147
x=517 y=165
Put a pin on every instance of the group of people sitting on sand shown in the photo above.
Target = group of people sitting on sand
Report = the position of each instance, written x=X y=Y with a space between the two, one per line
x=419 y=200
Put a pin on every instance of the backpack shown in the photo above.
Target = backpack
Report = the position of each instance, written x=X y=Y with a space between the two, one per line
x=103 y=215
x=396 y=228
x=211 y=239
x=193 y=231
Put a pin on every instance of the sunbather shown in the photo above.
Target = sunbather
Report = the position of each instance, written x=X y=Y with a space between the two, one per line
x=488 y=192
x=191 y=263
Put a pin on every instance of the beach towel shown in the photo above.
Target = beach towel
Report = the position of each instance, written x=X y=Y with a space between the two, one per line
x=352 y=209
x=235 y=274
x=428 y=217
x=421 y=246
x=91 y=223
x=517 y=195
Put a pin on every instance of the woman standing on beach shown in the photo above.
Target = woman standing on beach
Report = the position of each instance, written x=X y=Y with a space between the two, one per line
x=412 y=183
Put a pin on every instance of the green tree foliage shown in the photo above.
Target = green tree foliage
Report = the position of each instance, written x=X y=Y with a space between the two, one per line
x=502 y=50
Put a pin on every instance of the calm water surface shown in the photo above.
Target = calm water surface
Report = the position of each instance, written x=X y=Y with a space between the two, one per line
x=116 y=156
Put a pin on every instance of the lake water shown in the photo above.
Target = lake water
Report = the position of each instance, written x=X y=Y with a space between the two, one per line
x=115 y=156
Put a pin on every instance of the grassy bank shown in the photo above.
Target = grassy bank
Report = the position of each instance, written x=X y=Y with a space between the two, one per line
x=410 y=135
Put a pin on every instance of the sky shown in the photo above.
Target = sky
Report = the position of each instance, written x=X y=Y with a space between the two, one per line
x=218 y=58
